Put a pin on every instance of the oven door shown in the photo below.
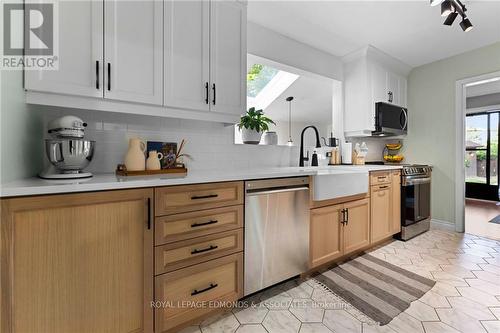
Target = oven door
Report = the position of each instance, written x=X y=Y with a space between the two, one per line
x=415 y=199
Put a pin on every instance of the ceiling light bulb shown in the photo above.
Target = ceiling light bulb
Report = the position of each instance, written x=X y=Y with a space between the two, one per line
x=447 y=8
x=435 y=2
x=451 y=18
x=466 y=25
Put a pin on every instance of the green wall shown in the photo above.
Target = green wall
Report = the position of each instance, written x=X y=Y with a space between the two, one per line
x=431 y=105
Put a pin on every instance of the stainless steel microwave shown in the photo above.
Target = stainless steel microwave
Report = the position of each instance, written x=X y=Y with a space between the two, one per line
x=390 y=119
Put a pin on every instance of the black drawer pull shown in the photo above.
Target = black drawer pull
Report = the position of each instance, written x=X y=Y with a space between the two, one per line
x=197 y=197
x=212 y=286
x=194 y=225
x=381 y=187
x=210 y=248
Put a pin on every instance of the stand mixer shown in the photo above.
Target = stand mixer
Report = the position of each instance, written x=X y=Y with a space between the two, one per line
x=68 y=153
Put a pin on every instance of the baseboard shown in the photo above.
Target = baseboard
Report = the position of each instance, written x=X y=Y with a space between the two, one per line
x=443 y=225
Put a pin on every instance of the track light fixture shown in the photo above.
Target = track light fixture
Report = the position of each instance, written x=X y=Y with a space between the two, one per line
x=451 y=9
x=465 y=24
x=447 y=8
x=450 y=19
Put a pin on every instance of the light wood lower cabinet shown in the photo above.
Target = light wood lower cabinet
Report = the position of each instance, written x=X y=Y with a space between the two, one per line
x=338 y=230
x=386 y=206
x=77 y=263
x=187 y=294
x=325 y=235
x=381 y=211
x=357 y=226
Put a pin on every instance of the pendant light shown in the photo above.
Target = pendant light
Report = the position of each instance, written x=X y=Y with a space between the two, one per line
x=290 y=141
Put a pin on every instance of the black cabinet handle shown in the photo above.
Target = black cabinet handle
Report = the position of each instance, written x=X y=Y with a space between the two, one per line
x=149 y=213
x=343 y=216
x=206 y=92
x=97 y=74
x=210 y=248
x=213 y=88
x=196 y=292
x=347 y=216
x=109 y=76
x=197 y=197
x=382 y=187
x=194 y=225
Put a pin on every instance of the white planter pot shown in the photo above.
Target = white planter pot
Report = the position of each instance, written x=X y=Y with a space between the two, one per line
x=250 y=136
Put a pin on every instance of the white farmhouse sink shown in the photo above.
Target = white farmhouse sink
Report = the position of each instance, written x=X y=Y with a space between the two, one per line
x=329 y=183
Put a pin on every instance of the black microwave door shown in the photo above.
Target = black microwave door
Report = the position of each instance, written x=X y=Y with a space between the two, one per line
x=391 y=118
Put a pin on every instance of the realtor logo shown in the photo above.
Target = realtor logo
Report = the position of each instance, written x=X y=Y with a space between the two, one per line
x=29 y=36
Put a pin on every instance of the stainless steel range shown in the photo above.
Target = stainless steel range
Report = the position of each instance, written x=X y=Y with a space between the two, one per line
x=415 y=200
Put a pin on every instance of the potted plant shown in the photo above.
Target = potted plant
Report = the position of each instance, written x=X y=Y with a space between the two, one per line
x=252 y=125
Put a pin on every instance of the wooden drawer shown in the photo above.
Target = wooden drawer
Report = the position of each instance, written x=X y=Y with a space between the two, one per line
x=184 y=290
x=380 y=177
x=177 y=255
x=178 y=227
x=188 y=198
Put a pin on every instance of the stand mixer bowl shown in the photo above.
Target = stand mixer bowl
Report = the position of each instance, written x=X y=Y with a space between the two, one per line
x=69 y=155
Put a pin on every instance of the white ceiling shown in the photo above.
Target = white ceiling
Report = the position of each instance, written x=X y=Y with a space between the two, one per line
x=411 y=31
x=312 y=102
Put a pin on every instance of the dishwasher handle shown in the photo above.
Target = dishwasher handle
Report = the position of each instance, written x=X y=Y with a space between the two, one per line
x=291 y=189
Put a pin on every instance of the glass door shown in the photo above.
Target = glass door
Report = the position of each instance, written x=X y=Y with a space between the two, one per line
x=481 y=155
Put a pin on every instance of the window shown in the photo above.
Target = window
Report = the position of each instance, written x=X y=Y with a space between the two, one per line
x=481 y=155
x=265 y=84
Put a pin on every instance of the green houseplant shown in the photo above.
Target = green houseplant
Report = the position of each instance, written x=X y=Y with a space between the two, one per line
x=252 y=125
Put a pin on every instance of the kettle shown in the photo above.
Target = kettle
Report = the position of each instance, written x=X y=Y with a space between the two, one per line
x=332 y=142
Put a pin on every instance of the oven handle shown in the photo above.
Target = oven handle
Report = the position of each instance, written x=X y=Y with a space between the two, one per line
x=415 y=181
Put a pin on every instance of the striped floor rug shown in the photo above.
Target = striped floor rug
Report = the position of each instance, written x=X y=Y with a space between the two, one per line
x=375 y=287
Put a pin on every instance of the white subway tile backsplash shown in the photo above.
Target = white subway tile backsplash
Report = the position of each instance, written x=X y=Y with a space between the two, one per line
x=210 y=144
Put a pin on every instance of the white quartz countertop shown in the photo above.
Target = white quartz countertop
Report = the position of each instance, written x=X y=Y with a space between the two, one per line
x=101 y=182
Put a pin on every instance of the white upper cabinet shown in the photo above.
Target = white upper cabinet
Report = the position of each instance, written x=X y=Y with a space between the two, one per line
x=205 y=56
x=371 y=76
x=182 y=58
x=228 y=56
x=134 y=51
x=80 y=53
x=186 y=53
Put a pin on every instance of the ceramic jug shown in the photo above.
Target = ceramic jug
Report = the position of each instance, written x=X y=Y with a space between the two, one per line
x=135 y=160
x=153 y=161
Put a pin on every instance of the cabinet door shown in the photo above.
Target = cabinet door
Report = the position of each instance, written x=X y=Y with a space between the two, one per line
x=134 y=51
x=403 y=100
x=357 y=227
x=381 y=212
x=379 y=83
x=77 y=263
x=80 y=53
x=396 y=202
x=186 y=54
x=228 y=21
x=325 y=235
x=393 y=91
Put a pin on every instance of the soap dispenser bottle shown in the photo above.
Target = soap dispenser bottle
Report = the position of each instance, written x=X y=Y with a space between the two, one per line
x=314 y=159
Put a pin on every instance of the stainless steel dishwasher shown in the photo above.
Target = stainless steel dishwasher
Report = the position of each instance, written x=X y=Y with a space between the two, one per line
x=276 y=231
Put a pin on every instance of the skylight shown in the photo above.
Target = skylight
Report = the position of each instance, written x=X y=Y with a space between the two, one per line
x=265 y=84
